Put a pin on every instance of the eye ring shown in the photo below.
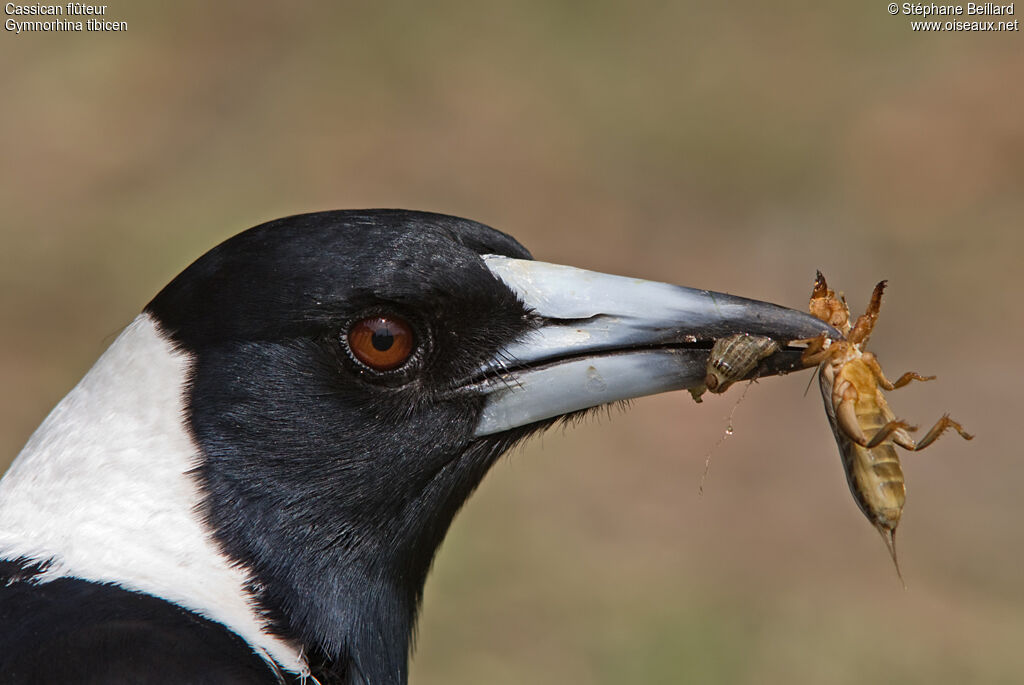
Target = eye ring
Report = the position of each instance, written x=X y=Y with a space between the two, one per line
x=381 y=343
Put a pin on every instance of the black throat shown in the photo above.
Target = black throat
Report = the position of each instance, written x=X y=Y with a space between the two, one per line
x=338 y=523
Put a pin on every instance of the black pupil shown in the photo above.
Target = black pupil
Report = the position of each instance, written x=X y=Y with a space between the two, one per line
x=382 y=339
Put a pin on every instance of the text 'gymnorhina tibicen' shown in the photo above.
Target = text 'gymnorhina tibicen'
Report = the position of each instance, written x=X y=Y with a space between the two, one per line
x=250 y=484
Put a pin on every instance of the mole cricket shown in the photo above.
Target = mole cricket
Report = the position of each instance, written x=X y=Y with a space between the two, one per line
x=865 y=428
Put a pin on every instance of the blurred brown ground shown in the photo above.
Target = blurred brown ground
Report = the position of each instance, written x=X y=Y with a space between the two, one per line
x=735 y=148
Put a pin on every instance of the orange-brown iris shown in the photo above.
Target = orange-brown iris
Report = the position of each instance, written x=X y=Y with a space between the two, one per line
x=381 y=342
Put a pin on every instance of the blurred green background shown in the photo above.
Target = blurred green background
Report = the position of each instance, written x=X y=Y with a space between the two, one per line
x=735 y=147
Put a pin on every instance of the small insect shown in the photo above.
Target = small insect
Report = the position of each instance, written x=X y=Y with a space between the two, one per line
x=732 y=359
x=865 y=428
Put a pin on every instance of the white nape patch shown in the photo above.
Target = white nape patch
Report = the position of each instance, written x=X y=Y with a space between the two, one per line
x=102 y=488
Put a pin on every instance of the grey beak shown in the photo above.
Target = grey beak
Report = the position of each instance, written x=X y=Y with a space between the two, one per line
x=607 y=338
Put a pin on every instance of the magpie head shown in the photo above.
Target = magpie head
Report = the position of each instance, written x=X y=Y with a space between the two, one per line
x=353 y=375
x=329 y=351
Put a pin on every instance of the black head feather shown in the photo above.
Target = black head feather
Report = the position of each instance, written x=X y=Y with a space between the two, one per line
x=335 y=484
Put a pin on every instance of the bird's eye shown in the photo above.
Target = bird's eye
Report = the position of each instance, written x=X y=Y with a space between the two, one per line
x=382 y=343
